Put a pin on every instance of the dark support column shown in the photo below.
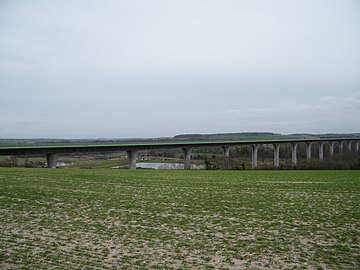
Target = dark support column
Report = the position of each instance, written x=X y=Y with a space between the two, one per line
x=51 y=160
x=226 y=150
x=349 y=146
x=308 y=150
x=357 y=146
x=131 y=155
x=321 y=151
x=276 y=155
x=187 y=158
x=294 y=153
x=254 y=148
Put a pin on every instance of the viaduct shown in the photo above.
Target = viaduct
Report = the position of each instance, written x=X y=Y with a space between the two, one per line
x=51 y=152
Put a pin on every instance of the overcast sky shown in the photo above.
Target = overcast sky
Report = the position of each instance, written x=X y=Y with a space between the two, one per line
x=140 y=68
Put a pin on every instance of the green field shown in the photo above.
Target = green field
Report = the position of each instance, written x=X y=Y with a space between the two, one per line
x=118 y=219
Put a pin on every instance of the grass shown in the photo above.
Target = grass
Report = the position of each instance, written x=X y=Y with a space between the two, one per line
x=116 y=219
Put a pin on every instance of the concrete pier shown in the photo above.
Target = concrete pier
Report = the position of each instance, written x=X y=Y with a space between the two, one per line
x=332 y=148
x=350 y=146
x=51 y=160
x=187 y=158
x=131 y=156
x=308 y=151
x=276 y=155
x=294 y=153
x=254 y=155
x=321 y=151
x=226 y=150
x=357 y=146
x=341 y=147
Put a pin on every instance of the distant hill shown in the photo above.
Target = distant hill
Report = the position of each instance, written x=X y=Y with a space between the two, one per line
x=36 y=142
x=257 y=135
x=181 y=137
x=225 y=136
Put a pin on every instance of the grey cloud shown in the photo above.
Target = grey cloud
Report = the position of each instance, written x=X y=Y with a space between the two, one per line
x=158 y=68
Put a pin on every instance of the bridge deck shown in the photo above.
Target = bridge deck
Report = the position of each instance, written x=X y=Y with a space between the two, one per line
x=147 y=146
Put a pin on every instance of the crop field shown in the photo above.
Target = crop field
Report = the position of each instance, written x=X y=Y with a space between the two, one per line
x=121 y=219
